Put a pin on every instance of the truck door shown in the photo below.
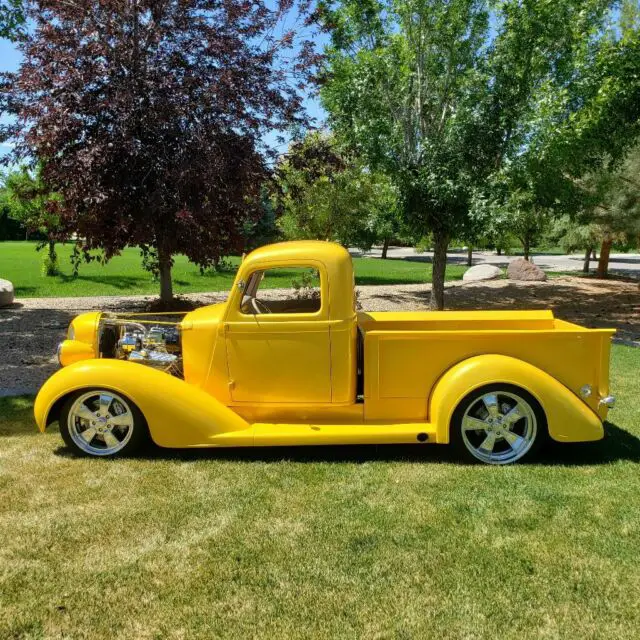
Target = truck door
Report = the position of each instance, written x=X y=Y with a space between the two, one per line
x=278 y=341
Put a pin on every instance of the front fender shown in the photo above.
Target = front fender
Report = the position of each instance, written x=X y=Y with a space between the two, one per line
x=178 y=414
x=568 y=418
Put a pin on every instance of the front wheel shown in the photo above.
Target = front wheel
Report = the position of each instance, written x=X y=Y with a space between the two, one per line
x=102 y=423
x=498 y=424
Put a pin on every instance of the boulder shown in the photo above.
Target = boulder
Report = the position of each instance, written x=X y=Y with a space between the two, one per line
x=522 y=269
x=6 y=293
x=481 y=272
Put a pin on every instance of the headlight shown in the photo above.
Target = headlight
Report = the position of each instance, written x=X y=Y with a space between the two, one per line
x=59 y=353
x=71 y=333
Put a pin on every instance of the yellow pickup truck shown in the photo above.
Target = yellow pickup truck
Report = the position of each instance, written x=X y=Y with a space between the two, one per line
x=301 y=366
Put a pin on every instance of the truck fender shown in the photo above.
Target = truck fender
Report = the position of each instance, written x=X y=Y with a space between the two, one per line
x=178 y=414
x=569 y=419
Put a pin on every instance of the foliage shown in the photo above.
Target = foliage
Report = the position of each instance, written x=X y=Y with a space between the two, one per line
x=512 y=213
x=10 y=229
x=325 y=193
x=445 y=97
x=611 y=213
x=575 y=234
x=149 y=117
x=11 y=19
x=29 y=201
x=265 y=229
x=306 y=285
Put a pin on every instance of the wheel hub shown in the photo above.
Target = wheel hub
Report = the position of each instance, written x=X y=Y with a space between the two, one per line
x=100 y=423
x=499 y=427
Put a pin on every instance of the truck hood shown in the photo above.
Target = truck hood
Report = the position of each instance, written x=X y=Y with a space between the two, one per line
x=199 y=331
x=210 y=314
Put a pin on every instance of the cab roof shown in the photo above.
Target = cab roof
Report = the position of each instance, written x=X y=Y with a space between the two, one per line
x=326 y=252
x=335 y=259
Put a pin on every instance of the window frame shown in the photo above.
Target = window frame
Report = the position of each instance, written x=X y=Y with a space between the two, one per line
x=321 y=313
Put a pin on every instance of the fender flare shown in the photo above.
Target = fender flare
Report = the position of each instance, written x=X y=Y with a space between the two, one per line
x=178 y=414
x=569 y=419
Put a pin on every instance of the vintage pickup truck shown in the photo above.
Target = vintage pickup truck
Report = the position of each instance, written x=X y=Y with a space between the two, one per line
x=303 y=367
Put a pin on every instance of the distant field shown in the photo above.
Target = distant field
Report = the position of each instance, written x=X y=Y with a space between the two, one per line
x=21 y=263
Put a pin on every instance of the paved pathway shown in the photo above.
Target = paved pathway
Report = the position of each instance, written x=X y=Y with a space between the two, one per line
x=627 y=264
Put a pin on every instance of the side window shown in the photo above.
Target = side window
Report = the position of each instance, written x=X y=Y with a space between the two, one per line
x=282 y=290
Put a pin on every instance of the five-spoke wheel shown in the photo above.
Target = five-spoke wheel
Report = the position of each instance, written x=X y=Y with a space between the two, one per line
x=498 y=424
x=101 y=423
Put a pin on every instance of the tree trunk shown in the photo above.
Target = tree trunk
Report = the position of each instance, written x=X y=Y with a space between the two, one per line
x=525 y=244
x=385 y=247
x=440 y=244
x=603 y=263
x=166 y=284
x=52 y=259
x=499 y=251
x=469 y=255
x=587 y=261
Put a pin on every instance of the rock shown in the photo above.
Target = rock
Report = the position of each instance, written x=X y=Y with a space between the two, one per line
x=522 y=269
x=481 y=272
x=6 y=293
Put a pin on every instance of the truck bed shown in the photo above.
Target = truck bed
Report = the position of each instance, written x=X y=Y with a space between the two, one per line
x=458 y=321
x=406 y=352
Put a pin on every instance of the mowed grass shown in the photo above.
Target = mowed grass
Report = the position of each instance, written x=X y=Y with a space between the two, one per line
x=321 y=543
x=21 y=263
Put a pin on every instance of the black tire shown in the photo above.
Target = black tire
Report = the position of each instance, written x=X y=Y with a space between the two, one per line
x=72 y=431
x=521 y=440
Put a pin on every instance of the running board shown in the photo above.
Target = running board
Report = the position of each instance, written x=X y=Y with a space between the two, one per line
x=275 y=435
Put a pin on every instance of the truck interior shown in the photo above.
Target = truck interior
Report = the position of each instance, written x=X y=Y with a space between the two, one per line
x=302 y=291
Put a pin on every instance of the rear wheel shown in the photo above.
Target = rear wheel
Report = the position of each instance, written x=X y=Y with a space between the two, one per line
x=498 y=424
x=100 y=422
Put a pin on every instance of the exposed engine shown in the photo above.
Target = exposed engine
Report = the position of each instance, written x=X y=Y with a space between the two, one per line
x=144 y=341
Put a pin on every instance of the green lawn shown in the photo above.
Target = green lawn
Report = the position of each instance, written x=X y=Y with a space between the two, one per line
x=20 y=263
x=321 y=543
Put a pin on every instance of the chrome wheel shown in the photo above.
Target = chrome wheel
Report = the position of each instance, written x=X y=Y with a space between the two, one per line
x=499 y=427
x=100 y=423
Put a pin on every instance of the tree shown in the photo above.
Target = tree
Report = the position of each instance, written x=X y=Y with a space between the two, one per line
x=325 y=193
x=148 y=117
x=611 y=213
x=30 y=202
x=575 y=234
x=443 y=96
x=11 y=18
x=618 y=218
x=265 y=229
x=513 y=211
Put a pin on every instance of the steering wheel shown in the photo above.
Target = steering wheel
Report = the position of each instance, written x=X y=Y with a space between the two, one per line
x=259 y=307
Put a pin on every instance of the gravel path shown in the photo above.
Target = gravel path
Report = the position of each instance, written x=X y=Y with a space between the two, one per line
x=31 y=329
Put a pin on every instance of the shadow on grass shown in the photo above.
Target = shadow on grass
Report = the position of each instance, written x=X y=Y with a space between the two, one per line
x=386 y=280
x=16 y=419
x=118 y=282
x=24 y=292
x=618 y=445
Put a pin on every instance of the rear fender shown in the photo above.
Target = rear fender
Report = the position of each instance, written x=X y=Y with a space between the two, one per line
x=178 y=414
x=569 y=419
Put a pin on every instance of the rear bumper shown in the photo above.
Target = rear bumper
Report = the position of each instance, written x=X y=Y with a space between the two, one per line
x=608 y=401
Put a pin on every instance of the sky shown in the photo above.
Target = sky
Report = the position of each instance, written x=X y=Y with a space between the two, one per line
x=10 y=61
